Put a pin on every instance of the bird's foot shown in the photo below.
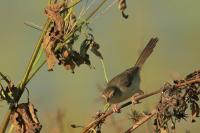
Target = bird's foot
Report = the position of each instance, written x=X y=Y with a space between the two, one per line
x=116 y=109
x=134 y=97
x=134 y=100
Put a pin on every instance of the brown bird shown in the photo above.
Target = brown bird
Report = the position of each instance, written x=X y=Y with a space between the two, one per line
x=127 y=83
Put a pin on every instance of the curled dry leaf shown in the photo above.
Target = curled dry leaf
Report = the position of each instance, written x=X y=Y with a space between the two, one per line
x=24 y=119
x=54 y=34
x=70 y=66
x=122 y=6
x=49 y=46
x=9 y=93
x=94 y=48
x=52 y=11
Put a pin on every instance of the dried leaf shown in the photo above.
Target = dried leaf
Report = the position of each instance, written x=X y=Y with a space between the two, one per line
x=84 y=48
x=65 y=54
x=49 y=46
x=70 y=66
x=52 y=12
x=194 y=110
x=122 y=6
x=94 y=48
x=24 y=119
x=77 y=58
x=10 y=93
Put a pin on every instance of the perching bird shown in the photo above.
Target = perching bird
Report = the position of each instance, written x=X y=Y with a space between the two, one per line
x=127 y=83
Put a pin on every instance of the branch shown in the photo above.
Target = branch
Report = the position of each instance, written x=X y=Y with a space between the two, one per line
x=104 y=116
x=141 y=121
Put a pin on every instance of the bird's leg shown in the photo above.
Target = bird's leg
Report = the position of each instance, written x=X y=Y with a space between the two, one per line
x=115 y=108
x=133 y=98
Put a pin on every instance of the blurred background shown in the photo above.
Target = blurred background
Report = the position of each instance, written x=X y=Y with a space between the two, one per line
x=66 y=98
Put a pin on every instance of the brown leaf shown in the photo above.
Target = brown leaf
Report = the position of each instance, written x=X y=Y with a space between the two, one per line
x=70 y=66
x=52 y=12
x=56 y=6
x=48 y=46
x=65 y=53
x=24 y=119
x=94 y=48
x=122 y=6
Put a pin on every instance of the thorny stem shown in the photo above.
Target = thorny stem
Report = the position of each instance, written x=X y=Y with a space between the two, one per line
x=103 y=117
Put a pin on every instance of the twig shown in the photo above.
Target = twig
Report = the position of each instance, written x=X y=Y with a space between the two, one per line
x=141 y=121
x=34 y=26
x=103 y=117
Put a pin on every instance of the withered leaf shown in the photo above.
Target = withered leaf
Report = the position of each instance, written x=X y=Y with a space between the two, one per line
x=52 y=12
x=10 y=93
x=94 y=48
x=24 y=119
x=122 y=6
x=77 y=58
x=195 y=109
x=56 y=6
x=70 y=66
x=48 y=46
x=84 y=48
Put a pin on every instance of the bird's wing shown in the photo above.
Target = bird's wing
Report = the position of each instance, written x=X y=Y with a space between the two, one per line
x=125 y=78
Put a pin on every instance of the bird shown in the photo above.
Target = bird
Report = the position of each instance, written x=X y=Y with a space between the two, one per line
x=127 y=84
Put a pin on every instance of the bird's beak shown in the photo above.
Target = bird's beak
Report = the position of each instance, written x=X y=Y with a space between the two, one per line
x=105 y=97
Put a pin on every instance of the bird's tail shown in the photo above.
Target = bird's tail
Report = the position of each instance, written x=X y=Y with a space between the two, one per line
x=146 y=52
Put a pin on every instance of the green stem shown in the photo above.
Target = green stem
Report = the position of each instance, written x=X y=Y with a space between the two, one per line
x=35 y=53
x=36 y=70
x=82 y=23
x=26 y=75
x=98 y=7
x=104 y=71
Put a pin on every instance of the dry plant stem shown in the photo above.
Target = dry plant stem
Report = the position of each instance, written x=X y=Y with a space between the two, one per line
x=24 y=81
x=141 y=121
x=103 y=117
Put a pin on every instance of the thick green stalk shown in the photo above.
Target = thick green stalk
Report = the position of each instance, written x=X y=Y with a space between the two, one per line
x=35 y=53
x=36 y=70
x=26 y=75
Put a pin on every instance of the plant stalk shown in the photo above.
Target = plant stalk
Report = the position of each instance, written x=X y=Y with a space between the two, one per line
x=26 y=75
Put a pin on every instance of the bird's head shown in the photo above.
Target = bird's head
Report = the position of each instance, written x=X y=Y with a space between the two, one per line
x=108 y=93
